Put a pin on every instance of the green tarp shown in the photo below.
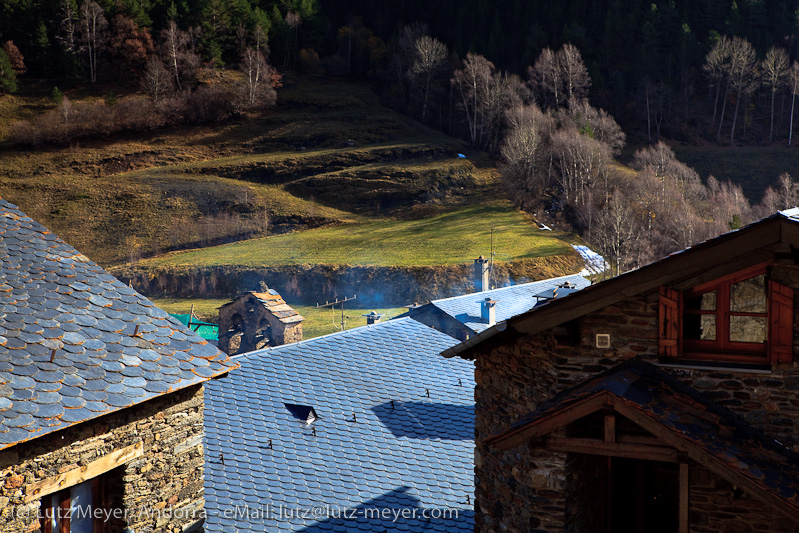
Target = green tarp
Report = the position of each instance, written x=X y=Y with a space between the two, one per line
x=207 y=332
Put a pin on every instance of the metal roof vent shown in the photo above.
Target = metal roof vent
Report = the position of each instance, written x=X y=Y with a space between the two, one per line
x=372 y=318
x=306 y=413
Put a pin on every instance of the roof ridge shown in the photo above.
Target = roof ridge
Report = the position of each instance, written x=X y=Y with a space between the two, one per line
x=505 y=288
x=335 y=333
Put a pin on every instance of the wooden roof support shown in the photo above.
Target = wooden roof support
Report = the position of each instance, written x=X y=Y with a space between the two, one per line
x=610 y=428
x=684 y=498
x=544 y=426
x=715 y=465
x=642 y=452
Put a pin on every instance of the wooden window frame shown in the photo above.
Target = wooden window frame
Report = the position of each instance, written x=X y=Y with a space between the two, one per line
x=100 y=500
x=779 y=323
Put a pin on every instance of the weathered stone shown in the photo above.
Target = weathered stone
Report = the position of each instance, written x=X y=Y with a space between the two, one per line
x=180 y=479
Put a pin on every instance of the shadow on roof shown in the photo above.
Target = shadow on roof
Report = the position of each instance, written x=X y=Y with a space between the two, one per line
x=392 y=511
x=427 y=420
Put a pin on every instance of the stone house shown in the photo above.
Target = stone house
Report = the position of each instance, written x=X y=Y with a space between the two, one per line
x=663 y=400
x=101 y=396
x=254 y=320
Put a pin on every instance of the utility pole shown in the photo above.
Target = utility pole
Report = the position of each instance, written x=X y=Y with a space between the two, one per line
x=334 y=303
x=493 y=253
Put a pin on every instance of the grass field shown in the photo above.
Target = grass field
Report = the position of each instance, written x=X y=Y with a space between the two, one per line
x=454 y=237
x=318 y=322
x=329 y=154
x=752 y=167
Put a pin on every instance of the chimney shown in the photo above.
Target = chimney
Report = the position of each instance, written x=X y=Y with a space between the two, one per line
x=481 y=274
x=372 y=318
x=488 y=311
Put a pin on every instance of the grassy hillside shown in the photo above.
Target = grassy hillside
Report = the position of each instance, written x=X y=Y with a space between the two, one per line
x=453 y=237
x=327 y=155
x=329 y=177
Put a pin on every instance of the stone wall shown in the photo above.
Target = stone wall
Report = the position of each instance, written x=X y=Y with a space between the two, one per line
x=376 y=286
x=512 y=380
x=162 y=490
x=716 y=506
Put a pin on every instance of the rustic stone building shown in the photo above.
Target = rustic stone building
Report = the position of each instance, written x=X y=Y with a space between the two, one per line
x=662 y=400
x=101 y=396
x=255 y=320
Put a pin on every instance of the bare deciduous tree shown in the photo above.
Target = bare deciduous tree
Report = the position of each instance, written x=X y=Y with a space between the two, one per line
x=259 y=77
x=68 y=35
x=156 y=81
x=582 y=162
x=793 y=80
x=179 y=55
x=523 y=153
x=784 y=196
x=743 y=74
x=601 y=125
x=576 y=80
x=775 y=73
x=430 y=57
x=559 y=77
x=485 y=95
x=93 y=28
x=716 y=68
x=546 y=78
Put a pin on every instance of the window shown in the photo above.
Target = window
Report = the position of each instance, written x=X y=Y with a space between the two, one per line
x=77 y=509
x=744 y=318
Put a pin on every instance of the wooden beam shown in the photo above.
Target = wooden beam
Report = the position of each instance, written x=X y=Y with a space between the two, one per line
x=717 y=466
x=610 y=428
x=751 y=263
x=684 y=497
x=612 y=449
x=543 y=426
x=86 y=472
x=638 y=439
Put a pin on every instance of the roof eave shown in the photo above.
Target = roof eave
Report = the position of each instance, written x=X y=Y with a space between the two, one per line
x=758 y=236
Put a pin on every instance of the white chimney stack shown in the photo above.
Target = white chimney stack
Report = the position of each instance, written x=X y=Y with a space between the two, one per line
x=488 y=311
x=481 y=274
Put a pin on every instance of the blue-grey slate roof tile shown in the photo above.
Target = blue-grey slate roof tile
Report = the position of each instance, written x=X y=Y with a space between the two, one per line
x=56 y=303
x=511 y=301
x=419 y=458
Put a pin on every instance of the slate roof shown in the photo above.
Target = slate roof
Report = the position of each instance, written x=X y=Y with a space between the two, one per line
x=275 y=303
x=682 y=410
x=379 y=442
x=512 y=301
x=76 y=343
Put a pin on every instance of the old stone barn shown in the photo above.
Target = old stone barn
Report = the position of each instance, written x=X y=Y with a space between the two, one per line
x=101 y=396
x=663 y=400
x=254 y=320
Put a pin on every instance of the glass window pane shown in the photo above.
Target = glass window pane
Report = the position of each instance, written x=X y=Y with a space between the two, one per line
x=81 y=499
x=700 y=327
x=748 y=329
x=749 y=295
x=702 y=302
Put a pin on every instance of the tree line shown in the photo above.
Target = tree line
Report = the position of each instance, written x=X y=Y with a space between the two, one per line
x=164 y=66
x=645 y=58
